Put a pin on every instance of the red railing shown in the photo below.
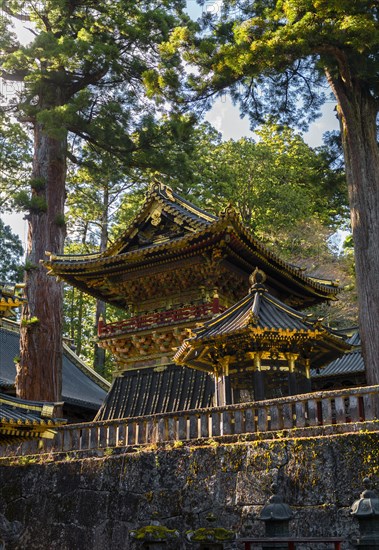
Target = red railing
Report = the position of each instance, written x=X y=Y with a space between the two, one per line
x=292 y=542
x=158 y=318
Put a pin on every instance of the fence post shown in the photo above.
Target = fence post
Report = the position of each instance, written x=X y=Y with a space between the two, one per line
x=193 y=426
x=326 y=405
x=204 y=425
x=339 y=404
x=216 y=424
x=182 y=427
x=300 y=414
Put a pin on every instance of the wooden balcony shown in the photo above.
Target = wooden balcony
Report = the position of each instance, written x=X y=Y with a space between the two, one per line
x=161 y=318
x=309 y=414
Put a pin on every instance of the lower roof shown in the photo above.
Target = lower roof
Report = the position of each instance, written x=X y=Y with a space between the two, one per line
x=150 y=391
x=21 y=419
x=350 y=363
x=80 y=386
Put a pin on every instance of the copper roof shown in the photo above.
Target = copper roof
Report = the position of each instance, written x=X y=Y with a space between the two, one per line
x=258 y=309
x=350 y=363
x=196 y=232
x=81 y=385
x=258 y=317
x=150 y=391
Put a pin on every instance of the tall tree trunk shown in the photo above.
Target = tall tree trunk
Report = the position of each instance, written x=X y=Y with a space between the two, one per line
x=78 y=325
x=357 y=111
x=39 y=374
x=99 y=353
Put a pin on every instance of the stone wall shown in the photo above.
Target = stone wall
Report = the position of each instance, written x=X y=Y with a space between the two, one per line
x=93 y=503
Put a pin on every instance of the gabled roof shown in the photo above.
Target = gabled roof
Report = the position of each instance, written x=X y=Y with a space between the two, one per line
x=21 y=419
x=162 y=201
x=167 y=228
x=259 y=317
x=81 y=385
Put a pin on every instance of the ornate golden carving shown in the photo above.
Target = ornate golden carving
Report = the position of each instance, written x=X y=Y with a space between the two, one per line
x=156 y=216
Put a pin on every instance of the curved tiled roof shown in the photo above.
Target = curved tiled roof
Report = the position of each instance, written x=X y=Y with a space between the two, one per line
x=20 y=419
x=199 y=231
x=10 y=298
x=19 y=411
x=79 y=386
x=350 y=363
x=259 y=317
x=260 y=309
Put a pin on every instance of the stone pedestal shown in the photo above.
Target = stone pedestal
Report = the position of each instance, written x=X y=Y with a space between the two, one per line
x=154 y=536
x=210 y=538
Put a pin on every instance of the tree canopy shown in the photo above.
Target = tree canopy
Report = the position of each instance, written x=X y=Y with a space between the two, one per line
x=11 y=264
x=82 y=82
x=277 y=57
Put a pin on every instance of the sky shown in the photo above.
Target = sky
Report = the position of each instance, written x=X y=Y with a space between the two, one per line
x=224 y=116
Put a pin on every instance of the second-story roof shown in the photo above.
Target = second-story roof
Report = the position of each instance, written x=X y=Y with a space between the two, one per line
x=168 y=231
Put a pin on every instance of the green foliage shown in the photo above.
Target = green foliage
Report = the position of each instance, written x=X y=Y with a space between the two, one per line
x=29 y=266
x=83 y=71
x=205 y=534
x=60 y=220
x=34 y=203
x=33 y=321
x=38 y=184
x=154 y=532
x=11 y=268
x=272 y=55
x=277 y=182
x=15 y=159
x=22 y=200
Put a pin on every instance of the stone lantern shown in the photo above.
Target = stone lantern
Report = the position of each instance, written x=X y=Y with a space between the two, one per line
x=366 y=510
x=276 y=514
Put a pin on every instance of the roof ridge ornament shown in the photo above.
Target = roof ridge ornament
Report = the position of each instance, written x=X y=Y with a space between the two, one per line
x=157 y=186
x=229 y=211
x=257 y=280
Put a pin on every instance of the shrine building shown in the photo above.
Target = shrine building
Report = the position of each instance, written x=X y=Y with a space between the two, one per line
x=182 y=277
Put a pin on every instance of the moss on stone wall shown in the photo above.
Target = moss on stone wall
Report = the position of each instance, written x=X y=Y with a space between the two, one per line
x=94 y=503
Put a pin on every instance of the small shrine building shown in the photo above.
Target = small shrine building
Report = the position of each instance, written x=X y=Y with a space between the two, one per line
x=258 y=345
x=174 y=267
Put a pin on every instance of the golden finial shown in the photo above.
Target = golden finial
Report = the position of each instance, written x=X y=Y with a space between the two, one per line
x=257 y=277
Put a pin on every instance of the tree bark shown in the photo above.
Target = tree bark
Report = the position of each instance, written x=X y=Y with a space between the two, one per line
x=357 y=111
x=99 y=353
x=39 y=375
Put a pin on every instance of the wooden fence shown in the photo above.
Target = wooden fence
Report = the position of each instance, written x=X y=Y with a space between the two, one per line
x=311 y=410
